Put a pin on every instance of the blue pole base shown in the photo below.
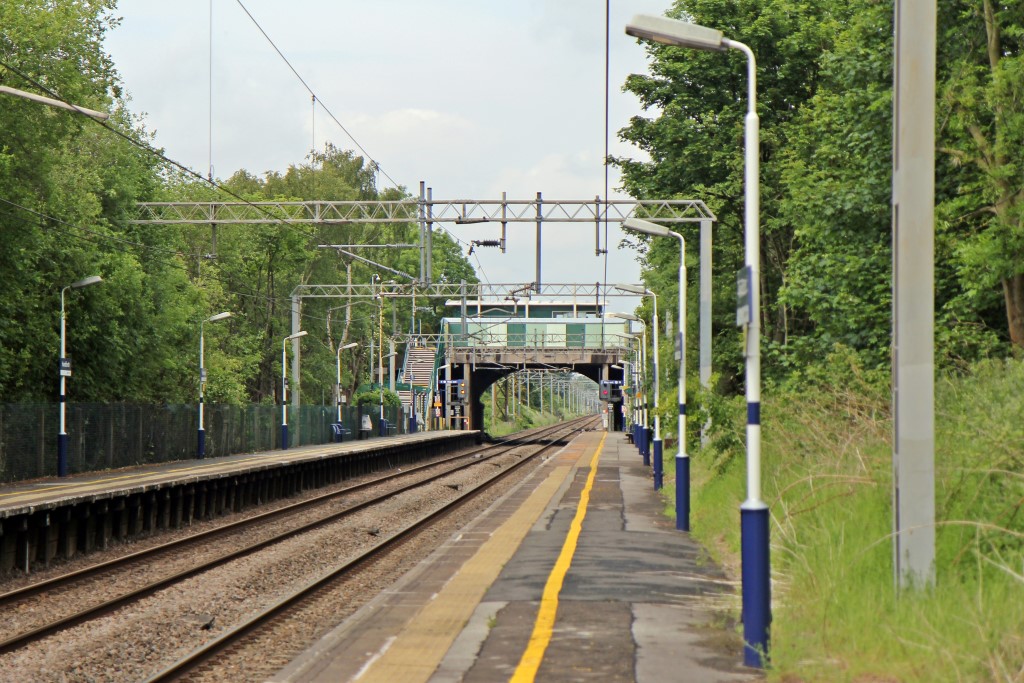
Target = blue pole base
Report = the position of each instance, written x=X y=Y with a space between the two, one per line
x=659 y=466
x=284 y=437
x=646 y=452
x=682 y=493
x=62 y=455
x=757 y=587
x=201 y=448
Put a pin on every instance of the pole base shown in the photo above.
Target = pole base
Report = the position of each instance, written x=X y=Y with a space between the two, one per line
x=201 y=447
x=659 y=465
x=757 y=595
x=62 y=455
x=284 y=437
x=682 y=493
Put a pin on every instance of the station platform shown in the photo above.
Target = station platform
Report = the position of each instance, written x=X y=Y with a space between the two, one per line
x=575 y=575
x=51 y=518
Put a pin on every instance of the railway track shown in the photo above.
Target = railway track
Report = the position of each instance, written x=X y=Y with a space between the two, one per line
x=230 y=643
x=99 y=576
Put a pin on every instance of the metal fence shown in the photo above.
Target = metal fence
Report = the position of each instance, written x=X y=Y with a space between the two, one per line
x=110 y=436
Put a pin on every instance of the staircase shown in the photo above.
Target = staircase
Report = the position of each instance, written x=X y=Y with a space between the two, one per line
x=419 y=369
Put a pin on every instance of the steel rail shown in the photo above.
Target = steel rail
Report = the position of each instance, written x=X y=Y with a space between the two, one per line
x=152 y=554
x=229 y=638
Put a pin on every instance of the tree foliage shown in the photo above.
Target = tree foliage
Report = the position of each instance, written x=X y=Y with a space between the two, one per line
x=825 y=105
x=68 y=191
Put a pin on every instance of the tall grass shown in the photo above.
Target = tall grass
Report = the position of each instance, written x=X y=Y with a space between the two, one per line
x=828 y=481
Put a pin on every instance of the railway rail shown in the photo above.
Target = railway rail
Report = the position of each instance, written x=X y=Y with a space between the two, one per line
x=202 y=660
x=96 y=577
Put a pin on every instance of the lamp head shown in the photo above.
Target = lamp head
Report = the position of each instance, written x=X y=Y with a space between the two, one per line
x=85 y=282
x=646 y=227
x=674 y=32
x=219 y=316
x=303 y=333
x=349 y=346
x=626 y=316
x=633 y=289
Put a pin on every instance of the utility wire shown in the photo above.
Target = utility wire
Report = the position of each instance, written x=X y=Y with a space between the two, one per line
x=351 y=137
x=319 y=100
x=607 y=82
x=209 y=180
x=181 y=167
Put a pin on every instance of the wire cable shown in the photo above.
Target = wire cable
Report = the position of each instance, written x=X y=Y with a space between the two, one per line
x=310 y=90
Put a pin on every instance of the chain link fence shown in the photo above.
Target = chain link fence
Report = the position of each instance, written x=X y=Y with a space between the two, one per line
x=111 y=436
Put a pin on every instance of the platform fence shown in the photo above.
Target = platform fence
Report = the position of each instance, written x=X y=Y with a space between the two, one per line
x=111 y=436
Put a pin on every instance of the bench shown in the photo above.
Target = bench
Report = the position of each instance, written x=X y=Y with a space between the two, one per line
x=340 y=431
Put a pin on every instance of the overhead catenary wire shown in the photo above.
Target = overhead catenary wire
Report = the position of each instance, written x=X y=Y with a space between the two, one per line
x=327 y=110
x=209 y=179
x=67 y=228
x=607 y=88
x=160 y=155
x=318 y=100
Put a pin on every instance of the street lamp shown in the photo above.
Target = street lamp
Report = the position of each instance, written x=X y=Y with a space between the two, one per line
x=201 y=449
x=643 y=291
x=754 y=519
x=284 y=386
x=658 y=465
x=338 y=357
x=65 y=372
x=98 y=115
x=682 y=458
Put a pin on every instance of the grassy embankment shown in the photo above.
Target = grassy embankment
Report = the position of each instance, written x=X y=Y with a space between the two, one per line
x=526 y=418
x=828 y=481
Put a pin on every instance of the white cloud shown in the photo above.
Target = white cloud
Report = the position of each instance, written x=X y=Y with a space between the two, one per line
x=473 y=98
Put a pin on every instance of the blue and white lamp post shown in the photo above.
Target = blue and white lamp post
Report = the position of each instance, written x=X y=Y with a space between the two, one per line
x=682 y=458
x=284 y=386
x=65 y=372
x=754 y=520
x=643 y=291
x=656 y=389
x=201 y=446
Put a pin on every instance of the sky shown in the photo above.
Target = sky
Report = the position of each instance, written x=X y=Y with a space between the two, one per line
x=474 y=98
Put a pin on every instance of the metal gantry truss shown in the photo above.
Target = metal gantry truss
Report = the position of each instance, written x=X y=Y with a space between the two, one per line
x=485 y=292
x=457 y=211
x=426 y=211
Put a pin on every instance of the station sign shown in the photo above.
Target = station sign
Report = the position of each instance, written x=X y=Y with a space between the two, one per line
x=65 y=367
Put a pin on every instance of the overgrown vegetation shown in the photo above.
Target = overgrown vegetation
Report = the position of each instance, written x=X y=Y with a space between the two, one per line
x=68 y=194
x=828 y=481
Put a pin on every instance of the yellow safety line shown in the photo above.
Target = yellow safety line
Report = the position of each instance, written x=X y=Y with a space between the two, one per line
x=543 y=628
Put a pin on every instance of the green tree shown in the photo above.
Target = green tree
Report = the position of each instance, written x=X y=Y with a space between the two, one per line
x=981 y=119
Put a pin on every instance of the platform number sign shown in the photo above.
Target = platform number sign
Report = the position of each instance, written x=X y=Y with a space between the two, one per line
x=65 y=367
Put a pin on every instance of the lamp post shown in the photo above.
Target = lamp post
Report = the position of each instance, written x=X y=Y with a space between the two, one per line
x=754 y=519
x=201 y=447
x=284 y=386
x=643 y=291
x=91 y=113
x=657 y=418
x=338 y=357
x=65 y=372
x=682 y=458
